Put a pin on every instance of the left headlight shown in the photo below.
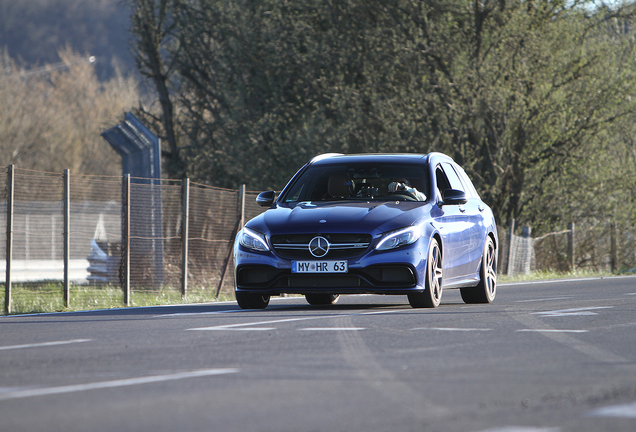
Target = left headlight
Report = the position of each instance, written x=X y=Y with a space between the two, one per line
x=253 y=240
x=401 y=237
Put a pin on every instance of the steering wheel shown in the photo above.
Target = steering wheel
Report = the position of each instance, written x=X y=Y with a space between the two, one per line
x=408 y=196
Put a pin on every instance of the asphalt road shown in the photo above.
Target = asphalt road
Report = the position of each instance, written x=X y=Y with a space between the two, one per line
x=544 y=357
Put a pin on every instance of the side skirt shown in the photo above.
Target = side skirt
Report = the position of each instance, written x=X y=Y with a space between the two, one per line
x=461 y=282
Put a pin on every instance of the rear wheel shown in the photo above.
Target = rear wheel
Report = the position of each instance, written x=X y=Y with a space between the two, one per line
x=432 y=294
x=487 y=289
x=321 y=299
x=251 y=301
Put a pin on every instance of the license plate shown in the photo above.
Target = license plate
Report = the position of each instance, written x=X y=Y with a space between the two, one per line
x=320 y=266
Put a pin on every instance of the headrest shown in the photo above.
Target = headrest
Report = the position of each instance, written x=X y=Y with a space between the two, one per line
x=340 y=185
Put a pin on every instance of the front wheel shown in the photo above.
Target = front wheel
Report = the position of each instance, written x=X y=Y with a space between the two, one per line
x=487 y=289
x=432 y=294
x=251 y=301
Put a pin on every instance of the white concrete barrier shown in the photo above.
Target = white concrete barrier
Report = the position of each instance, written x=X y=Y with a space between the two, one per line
x=45 y=270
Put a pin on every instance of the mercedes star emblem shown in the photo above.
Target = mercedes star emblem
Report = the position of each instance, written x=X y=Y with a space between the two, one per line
x=318 y=247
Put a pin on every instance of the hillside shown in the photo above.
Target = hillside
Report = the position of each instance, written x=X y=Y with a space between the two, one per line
x=33 y=31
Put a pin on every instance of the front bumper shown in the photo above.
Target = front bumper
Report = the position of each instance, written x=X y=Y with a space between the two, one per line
x=376 y=279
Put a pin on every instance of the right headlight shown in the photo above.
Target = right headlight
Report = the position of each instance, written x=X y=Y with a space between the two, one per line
x=401 y=237
x=253 y=240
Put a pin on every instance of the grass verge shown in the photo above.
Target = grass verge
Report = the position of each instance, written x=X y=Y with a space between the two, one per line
x=49 y=298
x=550 y=275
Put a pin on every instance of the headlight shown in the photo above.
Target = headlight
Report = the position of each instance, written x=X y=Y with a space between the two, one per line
x=397 y=238
x=253 y=240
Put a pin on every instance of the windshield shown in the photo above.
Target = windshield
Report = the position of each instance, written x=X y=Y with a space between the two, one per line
x=384 y=182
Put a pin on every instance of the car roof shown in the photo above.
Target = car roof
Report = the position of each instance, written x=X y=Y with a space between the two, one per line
x=329 y=158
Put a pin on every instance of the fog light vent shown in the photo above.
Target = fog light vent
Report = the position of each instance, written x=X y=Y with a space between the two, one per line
x=392 y=274
x=256 y=275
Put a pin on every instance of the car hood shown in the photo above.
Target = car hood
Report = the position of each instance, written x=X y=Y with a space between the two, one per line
x=330 y=217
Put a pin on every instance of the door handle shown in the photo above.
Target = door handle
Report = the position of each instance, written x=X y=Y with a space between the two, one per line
x=480 y=208
x=462 y=209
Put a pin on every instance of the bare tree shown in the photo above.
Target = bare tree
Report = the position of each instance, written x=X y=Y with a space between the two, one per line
x=155 y=48
x=52 y=120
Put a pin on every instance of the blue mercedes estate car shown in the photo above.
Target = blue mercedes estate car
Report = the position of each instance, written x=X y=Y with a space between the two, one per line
x=399 y=224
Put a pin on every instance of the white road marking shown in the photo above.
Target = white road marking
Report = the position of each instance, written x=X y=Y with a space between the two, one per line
x=624 y=411
x=332 y=328
x=522 y=429
x=46 y=391
x=257 y=323
x=228 y=328
x=43 y=344
x=250 y=324
x=572 y=312
x=452 y=329
x=180 y=314
x=552 y=331
x=544 y=299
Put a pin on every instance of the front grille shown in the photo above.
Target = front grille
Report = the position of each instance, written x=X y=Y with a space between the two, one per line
x=341 y=246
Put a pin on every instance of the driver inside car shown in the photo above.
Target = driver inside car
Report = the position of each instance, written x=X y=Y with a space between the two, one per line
x=404 y=185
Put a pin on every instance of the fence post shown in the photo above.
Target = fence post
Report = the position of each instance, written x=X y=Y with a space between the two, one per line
x=67 y=235
x=9 y=251
x=184 y=236
x=125 y=241
x=511 y=249
x=239 y=224
x=526 y=233
x=571 y=245
x=613 y=247
x=242 y=206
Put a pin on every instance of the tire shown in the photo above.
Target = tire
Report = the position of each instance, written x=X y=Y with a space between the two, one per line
x=321 y=299
x=432 y=294
x=251 y=301
x=486 y=290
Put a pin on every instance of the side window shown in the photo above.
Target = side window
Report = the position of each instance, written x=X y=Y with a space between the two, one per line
x=442 y=181
x=454 y=180
x=470 y=188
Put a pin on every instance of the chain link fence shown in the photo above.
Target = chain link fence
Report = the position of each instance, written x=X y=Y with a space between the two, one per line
x=138 y=234
x=590 y=244
x=128 y=232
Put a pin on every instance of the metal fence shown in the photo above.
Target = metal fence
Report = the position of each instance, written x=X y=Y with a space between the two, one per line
x=130 y=232
x=146 y=235
x=590 y=244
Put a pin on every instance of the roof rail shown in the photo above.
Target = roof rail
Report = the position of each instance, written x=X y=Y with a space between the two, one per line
x=325 y=156
x=438 y=154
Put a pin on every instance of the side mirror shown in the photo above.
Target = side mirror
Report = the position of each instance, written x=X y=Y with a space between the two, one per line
x=266 y=199
x=454 y=197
